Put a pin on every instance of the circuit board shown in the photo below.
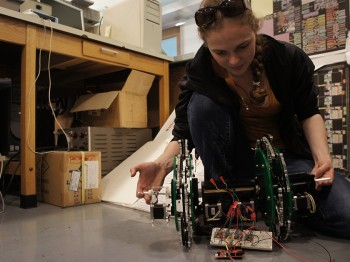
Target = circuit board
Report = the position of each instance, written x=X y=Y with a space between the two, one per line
x=232 y=254
x=246 y=239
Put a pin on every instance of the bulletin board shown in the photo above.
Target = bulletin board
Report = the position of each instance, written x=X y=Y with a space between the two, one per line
x=333 y=84
x=316 y=26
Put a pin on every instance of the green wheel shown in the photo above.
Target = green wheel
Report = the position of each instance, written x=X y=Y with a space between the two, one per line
x=262 y=168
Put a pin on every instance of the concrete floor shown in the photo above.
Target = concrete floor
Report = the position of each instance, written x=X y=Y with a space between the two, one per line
x=106 y=232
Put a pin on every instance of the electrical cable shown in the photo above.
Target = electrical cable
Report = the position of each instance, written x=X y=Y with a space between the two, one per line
x=99 y=26
x=49 y=93
x=288 y=251
x=50 y=87
x=2 y=210
x=329 y=255
x=6 y=167
x=12 y=177
x=313 y=203
x=2 y=167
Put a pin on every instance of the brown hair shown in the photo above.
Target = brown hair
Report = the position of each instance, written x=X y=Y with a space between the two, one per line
x=247 y=18
x=257 y=93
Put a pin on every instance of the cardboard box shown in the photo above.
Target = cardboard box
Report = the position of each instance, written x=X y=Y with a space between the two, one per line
x=124 y=108
x=69 y=178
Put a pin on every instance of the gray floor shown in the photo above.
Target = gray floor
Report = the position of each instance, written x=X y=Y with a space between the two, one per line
x=105 y=232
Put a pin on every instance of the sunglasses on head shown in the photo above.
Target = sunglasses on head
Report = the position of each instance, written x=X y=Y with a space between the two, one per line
x=229 y=8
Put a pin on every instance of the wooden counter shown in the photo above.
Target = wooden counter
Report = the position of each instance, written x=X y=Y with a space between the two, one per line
x=88 y=53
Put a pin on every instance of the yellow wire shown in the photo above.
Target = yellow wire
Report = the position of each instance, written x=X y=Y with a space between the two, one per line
x=313 y=203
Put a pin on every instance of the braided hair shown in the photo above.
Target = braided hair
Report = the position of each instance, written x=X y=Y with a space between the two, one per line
x=257 y=94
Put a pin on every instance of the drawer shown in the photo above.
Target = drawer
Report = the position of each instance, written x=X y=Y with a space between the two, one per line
x=106 y=53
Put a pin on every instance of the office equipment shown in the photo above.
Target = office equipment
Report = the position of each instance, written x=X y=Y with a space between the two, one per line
x=42 y=15
x=36 y=7
x=92 y=17
x=137 y=22
x=67 y=14
x=115 y=144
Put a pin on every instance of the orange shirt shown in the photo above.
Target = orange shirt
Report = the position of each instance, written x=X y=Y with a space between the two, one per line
x=258 y=120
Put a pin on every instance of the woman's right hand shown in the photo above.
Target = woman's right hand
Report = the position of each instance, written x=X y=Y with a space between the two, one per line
x=151 y=175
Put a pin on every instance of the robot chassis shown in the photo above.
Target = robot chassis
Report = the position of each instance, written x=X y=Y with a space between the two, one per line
x=274 y=194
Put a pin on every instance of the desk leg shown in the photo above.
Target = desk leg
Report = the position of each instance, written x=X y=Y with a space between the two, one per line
x=28 y=182
x=164 y=95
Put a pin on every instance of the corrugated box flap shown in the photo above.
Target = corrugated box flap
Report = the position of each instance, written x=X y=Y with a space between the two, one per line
x=138 y=83
x=94 y=101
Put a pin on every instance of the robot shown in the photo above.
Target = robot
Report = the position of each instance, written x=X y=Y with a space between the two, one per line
x=273 y=195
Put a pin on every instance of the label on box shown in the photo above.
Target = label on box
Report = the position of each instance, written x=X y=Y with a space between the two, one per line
x=92 y=173
x=74 y=180
x=74 y=160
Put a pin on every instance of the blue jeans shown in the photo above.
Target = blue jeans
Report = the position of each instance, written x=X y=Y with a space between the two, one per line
x=220 y=142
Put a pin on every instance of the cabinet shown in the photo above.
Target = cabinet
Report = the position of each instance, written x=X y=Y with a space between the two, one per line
x=69 y=49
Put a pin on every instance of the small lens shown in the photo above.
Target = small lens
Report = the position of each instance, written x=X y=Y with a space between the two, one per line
x=205 y=16
x=232 y=8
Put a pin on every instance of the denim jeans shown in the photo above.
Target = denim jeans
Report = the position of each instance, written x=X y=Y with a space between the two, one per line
x=220 y=142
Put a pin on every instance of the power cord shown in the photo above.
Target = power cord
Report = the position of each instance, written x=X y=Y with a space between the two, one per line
x=6 y=188
x=49 y=93
x=2 y=210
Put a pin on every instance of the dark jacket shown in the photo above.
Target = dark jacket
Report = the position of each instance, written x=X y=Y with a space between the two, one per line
x=290 y=73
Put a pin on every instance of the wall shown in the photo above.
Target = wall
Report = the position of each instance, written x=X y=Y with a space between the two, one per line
x=190 y=41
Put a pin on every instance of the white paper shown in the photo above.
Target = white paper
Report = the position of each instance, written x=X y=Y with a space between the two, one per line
x=119 y=187
x=74 y=180
x=91 y=174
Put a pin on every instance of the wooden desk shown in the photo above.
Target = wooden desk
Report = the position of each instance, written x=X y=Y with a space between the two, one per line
x=88 y=53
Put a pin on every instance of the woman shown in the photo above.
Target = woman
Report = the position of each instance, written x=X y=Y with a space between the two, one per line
x=239 y=87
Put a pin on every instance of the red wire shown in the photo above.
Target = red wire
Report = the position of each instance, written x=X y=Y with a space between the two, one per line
x=286 y=250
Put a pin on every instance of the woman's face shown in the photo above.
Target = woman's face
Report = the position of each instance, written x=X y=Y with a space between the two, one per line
x=232 y=46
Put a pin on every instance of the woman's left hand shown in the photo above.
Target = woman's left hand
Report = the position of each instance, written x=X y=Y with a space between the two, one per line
x=324 y=174
x=316 y=135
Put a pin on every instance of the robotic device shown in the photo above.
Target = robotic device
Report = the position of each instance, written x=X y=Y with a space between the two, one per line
x=276 y=195
x=184 y=190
